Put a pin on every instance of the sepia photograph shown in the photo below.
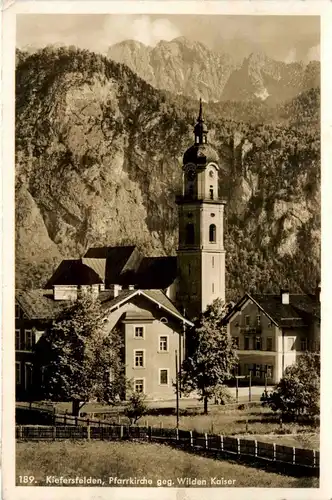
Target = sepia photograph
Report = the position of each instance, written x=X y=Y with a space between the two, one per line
x=167 y=251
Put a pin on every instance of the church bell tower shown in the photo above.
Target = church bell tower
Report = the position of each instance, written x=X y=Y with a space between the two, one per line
x=201 y=254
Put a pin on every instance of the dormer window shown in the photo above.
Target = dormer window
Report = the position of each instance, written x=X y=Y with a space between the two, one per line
x=211 y=192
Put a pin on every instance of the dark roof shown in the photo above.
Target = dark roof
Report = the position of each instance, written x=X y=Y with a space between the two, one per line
x=156 y=272
x=121 y=263
x=200 y=154
x=74 y=272
x=299 y=312
x=39 y=303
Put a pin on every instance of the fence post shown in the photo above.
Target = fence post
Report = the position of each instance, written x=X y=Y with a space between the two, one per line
x=88 y=422
x=274 y=452
x=161 y=425
x=238 y=446
x=255 y=448
x=54 y=433
x=65 y=419
x=20 y=431
x=314 y=458
x=294 y=457
x=221 y=443
x=89 y=432
x=121 y=432
x=150 y=433
x=76 y=419
x=206 y=441
x=191 y=439
x=177 y=434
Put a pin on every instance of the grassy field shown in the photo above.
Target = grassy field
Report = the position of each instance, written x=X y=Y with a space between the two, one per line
x=102 y=460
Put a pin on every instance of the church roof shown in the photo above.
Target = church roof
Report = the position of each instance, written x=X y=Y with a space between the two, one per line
x=156 y=272
x=74 y=272
x=200 y=154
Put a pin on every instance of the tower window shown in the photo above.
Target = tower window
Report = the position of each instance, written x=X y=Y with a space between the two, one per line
x=211 y=192
x=212 y=287
x=190 y=234
x=212 y=261
x=190 y=190
x=212 y=233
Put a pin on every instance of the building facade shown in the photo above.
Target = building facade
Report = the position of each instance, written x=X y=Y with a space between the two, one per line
x=151 y=327
x=271 y=331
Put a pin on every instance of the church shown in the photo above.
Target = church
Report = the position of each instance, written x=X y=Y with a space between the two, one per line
x=150 y=300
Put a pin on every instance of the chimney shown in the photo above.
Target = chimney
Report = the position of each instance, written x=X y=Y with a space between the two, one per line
x=115 y=290
x=131 y=287
x=284 y=296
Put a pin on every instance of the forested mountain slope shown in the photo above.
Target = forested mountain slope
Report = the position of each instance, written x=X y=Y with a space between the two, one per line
x=98 y=162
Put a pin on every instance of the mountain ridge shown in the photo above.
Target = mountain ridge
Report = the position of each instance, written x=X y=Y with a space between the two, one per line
x=98 y=162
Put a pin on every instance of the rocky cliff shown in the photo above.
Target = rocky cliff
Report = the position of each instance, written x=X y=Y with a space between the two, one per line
x=98 y=161
x=192 y=69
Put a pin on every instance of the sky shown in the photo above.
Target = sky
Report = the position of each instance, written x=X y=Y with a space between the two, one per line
x=285 y=38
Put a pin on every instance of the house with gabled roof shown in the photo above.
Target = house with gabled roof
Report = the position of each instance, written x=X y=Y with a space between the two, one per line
x=271 y=331
x=151 y=326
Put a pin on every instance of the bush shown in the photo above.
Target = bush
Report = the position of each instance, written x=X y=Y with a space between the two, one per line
x=298 y=392
x=223 y=395
x=136 y=408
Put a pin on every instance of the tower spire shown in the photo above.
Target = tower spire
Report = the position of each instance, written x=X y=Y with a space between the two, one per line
x=200 y=129
x=200 y=115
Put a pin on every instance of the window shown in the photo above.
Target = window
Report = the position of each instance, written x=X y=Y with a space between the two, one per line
x=245 y=369
x=269 y=371
x=139 y=332
x=212 y=262
x=269 y=324
x=17 y=340
x=139 y=385
x=190 y=190
x=212 y=287
x=163 y=343
x=17 y=311
x=290 y=343
x=28 y=375
x=163 y=376
x=247 y=320
x=257 y=370
x=236 y=342
x=258 y=343
x=211 y=192
x=139 y=359
x=258 y=319
x=190 y=233
x=303 y=344
x=269 y=344
x=28 y=340
x=189 y=269
x=247 y=343
x=18 y=372
x=212 y=233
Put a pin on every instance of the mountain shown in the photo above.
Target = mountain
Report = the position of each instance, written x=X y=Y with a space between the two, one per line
x=266 y=79
x=190 y=68
x=98 y=162
x=179 y=66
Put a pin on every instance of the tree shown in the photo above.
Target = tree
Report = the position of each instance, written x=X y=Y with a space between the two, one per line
x=211 y=356
x=79 y=358
x=136 y=408
x=298 y=391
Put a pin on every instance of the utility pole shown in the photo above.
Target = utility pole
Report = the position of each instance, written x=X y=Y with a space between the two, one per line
x=177 y=389
x=249 y=386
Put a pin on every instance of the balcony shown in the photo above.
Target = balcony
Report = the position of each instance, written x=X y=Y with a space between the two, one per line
x=251 y=329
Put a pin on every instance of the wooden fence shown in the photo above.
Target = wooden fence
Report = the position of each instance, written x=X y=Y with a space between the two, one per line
x=234 y=446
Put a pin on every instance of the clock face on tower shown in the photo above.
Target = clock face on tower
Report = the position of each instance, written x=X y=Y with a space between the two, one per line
x=191 y=172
